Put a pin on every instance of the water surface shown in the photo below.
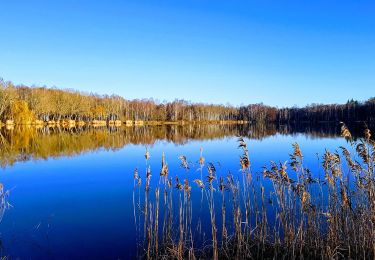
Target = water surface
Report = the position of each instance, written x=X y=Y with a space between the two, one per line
x=72 y=189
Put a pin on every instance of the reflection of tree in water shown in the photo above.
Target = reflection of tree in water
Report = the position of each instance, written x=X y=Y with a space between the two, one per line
x=26 y=143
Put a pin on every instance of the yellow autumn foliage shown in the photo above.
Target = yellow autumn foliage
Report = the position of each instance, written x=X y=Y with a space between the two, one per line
x=20 y=112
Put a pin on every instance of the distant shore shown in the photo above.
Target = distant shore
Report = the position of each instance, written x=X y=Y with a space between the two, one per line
x=79 y=123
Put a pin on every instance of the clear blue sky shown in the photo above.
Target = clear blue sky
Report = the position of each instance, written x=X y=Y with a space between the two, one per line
x=239 y=52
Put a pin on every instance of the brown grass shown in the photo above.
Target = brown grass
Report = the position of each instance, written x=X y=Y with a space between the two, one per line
x=329 y=217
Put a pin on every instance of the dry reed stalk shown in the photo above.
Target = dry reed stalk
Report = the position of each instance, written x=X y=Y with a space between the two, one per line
x=328 y=217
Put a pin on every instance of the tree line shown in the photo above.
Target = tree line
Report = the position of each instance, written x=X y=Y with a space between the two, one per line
x=22 y=103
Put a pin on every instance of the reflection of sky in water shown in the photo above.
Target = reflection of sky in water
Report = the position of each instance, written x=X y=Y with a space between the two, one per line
x=81 y=207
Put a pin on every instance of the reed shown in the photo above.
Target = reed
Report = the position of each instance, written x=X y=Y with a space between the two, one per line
x=328 y=216
x=4 y=204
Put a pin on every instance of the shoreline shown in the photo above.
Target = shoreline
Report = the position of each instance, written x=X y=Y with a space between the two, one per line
x=117 y=123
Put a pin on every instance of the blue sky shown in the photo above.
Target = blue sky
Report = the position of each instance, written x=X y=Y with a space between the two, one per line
x=280 y=53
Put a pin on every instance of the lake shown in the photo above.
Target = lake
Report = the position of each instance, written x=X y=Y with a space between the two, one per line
x=73 y=193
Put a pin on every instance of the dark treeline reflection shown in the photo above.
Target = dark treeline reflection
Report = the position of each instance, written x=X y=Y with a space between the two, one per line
x=26 y=143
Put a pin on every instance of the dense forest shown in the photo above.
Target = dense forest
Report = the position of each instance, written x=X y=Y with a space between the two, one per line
x=21 y=104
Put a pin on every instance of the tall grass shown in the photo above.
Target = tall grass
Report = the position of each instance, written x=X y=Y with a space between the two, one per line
x=263 y=215
x=4 y=204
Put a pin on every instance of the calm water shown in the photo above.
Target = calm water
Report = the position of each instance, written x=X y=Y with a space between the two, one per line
x=72 y=190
